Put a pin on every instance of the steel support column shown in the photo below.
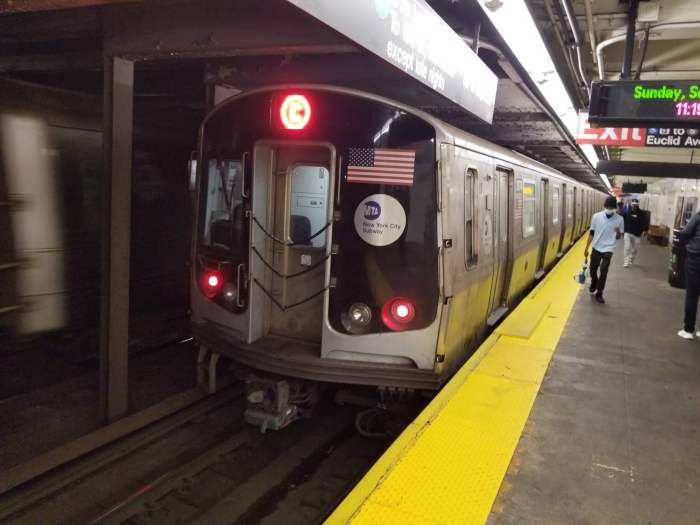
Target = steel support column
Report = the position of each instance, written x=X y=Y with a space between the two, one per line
x=629 y=41
x=117 y=127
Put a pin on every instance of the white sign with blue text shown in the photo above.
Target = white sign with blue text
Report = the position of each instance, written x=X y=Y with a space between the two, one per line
x=380 y=219
x=412 y=37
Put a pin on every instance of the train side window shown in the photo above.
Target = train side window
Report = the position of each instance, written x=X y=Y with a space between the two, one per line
x=223 y=227
x=556 y=206
x=471 y=240
x=529 y=212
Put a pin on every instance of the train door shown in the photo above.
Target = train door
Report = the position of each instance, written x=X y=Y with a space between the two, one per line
x=503 y=242
x=545 y=199
x=575 y=209
x=564 y=206
x=291 y=212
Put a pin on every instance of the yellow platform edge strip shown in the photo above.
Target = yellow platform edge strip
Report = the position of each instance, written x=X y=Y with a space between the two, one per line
x=447 y=466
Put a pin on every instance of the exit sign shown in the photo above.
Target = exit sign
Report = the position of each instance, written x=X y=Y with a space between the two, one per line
x=636 y=137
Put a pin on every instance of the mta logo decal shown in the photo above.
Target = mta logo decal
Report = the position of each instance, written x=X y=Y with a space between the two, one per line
x=372 y=210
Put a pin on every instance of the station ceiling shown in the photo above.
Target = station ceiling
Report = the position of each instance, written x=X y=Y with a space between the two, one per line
x=671 y=52
x=185 y=47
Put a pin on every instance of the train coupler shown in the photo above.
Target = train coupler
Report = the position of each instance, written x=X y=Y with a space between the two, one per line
x=273 y=403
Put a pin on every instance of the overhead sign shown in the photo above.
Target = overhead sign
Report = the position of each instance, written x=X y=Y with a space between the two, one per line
x=412 y=37
x=639 y=137
x=645 y=103
x=634 y=187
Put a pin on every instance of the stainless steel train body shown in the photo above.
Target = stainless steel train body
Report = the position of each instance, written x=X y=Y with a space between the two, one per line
x=308 y=264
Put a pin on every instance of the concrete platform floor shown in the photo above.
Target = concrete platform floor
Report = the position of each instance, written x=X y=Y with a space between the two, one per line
x=614 y=435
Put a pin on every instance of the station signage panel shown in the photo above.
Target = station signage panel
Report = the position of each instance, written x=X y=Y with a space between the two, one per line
x=645 y=103
x=637 y=137
x=415 y=39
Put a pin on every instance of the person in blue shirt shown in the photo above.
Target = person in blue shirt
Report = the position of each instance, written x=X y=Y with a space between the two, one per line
x=606 y=228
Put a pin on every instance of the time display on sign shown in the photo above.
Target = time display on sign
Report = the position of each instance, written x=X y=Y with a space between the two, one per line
x=688 y=109
x=642 y=103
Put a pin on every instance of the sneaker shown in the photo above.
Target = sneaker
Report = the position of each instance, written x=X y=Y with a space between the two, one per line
x=626 y=265
x=685 y=335
x=697 y=334
x=599 y=298
x=591 y=290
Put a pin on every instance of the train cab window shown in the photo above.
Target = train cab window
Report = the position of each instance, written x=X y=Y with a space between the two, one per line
x=529 y=212
x=471 y=185
x=556 y=205
x=223 y=219
x=308 y=205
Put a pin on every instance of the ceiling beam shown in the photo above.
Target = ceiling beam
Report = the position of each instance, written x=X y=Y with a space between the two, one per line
x=649 y=169
x=52 y=62
x=28 y=6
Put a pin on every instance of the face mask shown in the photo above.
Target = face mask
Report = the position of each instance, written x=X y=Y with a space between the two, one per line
x=609 y=212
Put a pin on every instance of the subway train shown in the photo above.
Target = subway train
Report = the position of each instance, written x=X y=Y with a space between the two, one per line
x=341 y=237
x=51 y=223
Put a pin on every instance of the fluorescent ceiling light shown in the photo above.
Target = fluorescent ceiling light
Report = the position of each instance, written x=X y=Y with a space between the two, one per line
x=518 y=29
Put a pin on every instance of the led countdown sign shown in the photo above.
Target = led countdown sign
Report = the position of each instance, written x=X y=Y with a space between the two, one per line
x=645 y=103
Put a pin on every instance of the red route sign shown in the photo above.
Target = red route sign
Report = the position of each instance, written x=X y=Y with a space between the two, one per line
x=609 y=136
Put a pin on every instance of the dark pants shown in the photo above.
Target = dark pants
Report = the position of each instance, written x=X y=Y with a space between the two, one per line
x=692 y=291
x=602 y=260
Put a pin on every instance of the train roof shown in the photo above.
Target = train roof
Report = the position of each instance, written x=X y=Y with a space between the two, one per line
x=458 y=136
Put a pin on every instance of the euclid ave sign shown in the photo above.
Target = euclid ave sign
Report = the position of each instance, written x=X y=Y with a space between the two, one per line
x=640 y=137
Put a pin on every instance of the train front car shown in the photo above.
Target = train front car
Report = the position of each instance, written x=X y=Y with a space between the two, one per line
x=316 y=246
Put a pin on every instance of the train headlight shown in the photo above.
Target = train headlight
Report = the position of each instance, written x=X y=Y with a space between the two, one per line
x=398 y=313
x=229 y=293
x=357 y=319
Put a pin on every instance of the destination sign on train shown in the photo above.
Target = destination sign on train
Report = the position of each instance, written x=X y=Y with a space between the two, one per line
x=645 y=103
x=636 y=137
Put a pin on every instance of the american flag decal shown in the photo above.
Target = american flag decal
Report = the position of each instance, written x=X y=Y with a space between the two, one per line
x=381 y=166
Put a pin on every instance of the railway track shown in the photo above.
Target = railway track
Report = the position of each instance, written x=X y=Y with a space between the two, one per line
x=205 y=466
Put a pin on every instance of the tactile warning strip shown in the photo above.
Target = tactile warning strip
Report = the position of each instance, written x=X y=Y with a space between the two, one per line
x=447 y=466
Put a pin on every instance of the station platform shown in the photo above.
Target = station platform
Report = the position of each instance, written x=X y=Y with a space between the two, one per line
x=571 y=412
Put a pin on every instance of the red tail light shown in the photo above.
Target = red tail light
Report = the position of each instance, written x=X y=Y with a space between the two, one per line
x=211 y=282
x=295 y=112
x=398 y=313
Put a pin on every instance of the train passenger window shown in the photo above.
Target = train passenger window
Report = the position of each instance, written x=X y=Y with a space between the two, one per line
x=471 y=240
x=556 y=205
x=307 y=205
x=529 y=214
x=224 y=204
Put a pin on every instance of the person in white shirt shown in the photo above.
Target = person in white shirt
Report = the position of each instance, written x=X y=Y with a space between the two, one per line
x=606 y=228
